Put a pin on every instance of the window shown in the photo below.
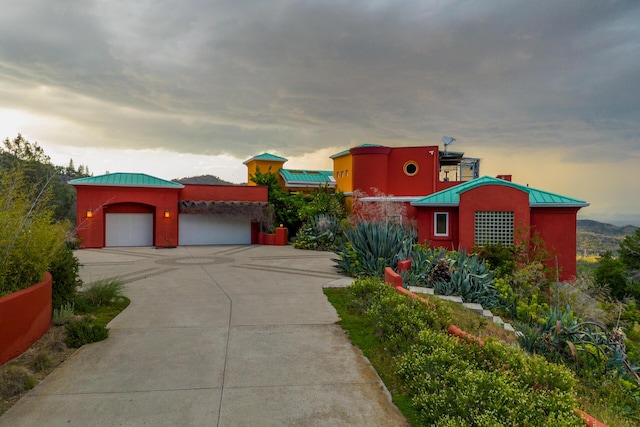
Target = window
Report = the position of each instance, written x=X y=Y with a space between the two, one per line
x=493 y=227
x=410 y=168
x=346 y=172
x=441 y=224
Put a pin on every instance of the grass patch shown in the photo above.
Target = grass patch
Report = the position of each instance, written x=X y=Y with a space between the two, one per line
x=103 y=292
x=363 y=334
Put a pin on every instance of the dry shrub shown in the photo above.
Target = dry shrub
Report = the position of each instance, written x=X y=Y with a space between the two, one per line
x=14 y=380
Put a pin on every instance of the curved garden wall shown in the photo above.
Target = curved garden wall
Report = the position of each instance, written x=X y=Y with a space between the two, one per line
x=24 y=317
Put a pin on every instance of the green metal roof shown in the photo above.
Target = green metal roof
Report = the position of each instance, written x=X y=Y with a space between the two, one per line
x=294 y=177
x=537 y=198
x=267 y=157
x=344 y=152
x=126 y=180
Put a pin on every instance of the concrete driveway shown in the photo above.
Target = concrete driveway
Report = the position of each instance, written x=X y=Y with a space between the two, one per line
x=214 y=336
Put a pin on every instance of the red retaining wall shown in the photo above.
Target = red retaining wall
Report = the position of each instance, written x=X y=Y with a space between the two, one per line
x=392 y=278
x=25 y=316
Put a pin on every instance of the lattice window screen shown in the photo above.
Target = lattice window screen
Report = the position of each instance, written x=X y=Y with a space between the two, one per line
x=492 y=227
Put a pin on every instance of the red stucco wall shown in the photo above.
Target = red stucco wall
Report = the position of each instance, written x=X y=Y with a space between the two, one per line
x=423 y=182
x=103 y=199
x=490 y=198
x=224 y=193
x=111 y=199
x=370 y=168
x=24 y=317
x=426 y=228
x=557 y=227
x=383 y=168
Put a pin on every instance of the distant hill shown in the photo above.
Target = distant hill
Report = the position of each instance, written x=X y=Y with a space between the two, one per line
x=204 y=179
x=596 y=237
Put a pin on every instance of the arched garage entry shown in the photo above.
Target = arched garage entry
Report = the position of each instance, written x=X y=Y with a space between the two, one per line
x=129 y=224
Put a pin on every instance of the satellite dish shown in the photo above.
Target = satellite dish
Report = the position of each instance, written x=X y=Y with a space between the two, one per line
x=447 y=140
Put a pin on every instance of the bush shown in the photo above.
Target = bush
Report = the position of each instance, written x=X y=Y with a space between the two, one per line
x=102 y=292
x=451 y=382
x=630 y=251
x=397 y=318
x=63 y=314
x=80 y=333
x=66 y=280
x=501 y=258
x=29 y=240
x=611 y=272
x=321 y=233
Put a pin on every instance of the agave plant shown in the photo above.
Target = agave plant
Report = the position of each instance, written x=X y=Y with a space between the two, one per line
x=369 y=247
x=587 y=346
x=466 y=276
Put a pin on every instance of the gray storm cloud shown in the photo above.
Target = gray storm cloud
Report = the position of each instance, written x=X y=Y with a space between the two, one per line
x=240 y=77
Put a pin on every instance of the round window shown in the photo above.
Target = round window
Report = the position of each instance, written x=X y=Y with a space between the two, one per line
x=410 y=168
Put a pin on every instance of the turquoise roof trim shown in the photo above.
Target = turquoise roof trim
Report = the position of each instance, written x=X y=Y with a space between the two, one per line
x=537 y=198
x=297 y=177
x=126 y=180
x=345 y=152
x=267 y=157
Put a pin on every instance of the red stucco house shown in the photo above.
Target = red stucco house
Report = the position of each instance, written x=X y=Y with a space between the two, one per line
x=441 y=190
x=453 y=206
x=491 y=210
x=133 y=209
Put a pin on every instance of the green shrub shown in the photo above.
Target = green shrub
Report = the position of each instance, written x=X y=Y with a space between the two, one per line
x=501 y=258
x=29 y=240
x=102 y=292
x=321 y=233
x=66 y=280
x=80 y=333
x=493 y=384
x=451 y=382
x=62 y=314
x=612 y=273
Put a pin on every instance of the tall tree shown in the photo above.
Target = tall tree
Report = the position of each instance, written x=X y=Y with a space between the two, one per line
x=629 y=251
x=18 y=154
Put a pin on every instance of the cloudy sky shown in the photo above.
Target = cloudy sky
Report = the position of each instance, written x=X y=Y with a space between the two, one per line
x=548 y=91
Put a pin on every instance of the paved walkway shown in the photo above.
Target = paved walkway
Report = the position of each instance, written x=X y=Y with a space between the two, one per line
x=214 y=336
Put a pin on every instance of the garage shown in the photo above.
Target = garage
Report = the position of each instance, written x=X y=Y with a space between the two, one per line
x=207 y=229
x=129 y=229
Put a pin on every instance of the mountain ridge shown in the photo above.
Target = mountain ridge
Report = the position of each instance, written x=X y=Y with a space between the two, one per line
x=595 y=237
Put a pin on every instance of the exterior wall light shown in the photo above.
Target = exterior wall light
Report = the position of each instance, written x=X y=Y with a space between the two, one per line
x=167 y=214
x=89 y=213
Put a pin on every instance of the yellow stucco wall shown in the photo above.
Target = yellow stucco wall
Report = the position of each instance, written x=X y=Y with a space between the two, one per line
x=264 y=166
x=342 y=172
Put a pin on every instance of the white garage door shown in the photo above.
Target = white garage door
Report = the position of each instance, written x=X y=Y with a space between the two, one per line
x=197 y=229
x=129 y=229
